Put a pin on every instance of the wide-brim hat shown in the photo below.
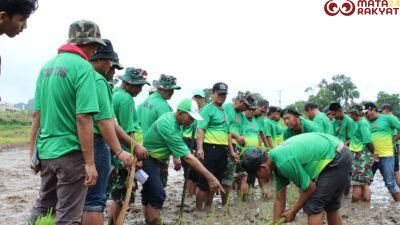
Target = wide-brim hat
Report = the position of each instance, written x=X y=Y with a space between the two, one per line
x=166 y=82
x=134 y=76
x=84 y=32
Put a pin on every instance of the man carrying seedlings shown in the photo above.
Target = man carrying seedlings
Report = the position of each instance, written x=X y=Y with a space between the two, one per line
x=106 y=134
x=163 y=139
x=363 y=155
x=318 y=164
x=65 y=99
x=382 y=127
x=296 y=124
x=125 y=113
x=235 y=119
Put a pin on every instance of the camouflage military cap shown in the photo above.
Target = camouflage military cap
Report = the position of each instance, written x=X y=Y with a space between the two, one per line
x=84 y=32
x=356 y=108
x=166 y=82
x=134 y=76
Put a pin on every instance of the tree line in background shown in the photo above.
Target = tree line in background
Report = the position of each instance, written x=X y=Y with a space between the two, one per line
x=340 y=89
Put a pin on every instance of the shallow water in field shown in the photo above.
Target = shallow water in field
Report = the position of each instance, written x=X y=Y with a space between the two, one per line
x=19 y=188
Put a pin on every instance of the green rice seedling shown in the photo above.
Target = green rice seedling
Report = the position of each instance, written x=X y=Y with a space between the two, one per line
x=47 y=219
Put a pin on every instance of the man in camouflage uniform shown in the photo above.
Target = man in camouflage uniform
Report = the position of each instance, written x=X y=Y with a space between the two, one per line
x=125 y=113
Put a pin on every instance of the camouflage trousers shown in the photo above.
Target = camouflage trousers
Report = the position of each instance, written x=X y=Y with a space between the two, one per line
x=117 y=185
x=362 y=168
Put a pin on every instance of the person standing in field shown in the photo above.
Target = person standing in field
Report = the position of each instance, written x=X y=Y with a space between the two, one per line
x=313 y=113
x=296 y=124
x=272 y=127
x=133 y=81
x=363 y=155
x=62 y=126
x=342 y=124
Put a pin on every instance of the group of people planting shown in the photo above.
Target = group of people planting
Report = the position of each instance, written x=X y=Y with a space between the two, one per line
x=87 y=133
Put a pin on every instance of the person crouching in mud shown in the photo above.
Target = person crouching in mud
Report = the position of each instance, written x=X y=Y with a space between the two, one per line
x=316 y=163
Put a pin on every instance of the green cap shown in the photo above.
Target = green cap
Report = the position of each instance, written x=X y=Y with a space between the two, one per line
x=134 y=76
x=191 y=107
x=166 y=82
x=200 y=93
x=84 y=32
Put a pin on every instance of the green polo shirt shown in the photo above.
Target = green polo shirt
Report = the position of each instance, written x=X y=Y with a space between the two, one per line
x=361 y=136
x=65 y=87
x=382 y=134
x=214 y=124
x=151 y=109
x=164 y=138
x=323 y=122
x=104 y=98
x=344 y=128
x=234 y=119
x=302 y=158
x=307 y=126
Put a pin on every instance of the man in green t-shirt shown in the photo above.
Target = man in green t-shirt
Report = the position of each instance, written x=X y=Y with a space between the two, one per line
x=387 y=109
x=123 y=103
x=342 y=124
x=106 y=134
x=296 y=124
x=212 y=143
x=259 y=115
x=363 y=155
x=382 y=127
x=163 y=139
x=235 y=119
x=62 y=126
x=272 y=129
x=323 y=122
x=318 y=164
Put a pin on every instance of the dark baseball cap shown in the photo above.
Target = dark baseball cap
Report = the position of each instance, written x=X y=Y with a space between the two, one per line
x=369 y=106
x=220 y=88
x=252 y=160
x=273 y=109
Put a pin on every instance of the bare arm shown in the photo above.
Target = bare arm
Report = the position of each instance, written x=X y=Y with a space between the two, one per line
x=199 y=141
x=34 y=131
x=264 y=140
x=231 y=150
x=279 y=203
x=396 y=138
x=304 y=196
x=371 y=148
x=269 y=142
x=128 y=140
x=84 y=125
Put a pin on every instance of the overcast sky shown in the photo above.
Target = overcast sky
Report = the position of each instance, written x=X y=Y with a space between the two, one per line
x=257 y=45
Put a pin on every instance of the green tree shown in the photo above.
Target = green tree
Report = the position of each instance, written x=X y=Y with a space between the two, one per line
x=392 y=99
x=341 y=90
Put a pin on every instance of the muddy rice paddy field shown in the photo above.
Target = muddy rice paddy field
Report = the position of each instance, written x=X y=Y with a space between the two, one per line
x=19 y=188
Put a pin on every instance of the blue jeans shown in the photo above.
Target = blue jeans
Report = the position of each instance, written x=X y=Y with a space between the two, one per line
x=97 y=195
x=386 y=167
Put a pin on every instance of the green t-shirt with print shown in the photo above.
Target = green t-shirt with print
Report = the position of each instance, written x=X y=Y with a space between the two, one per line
x=301 y=158
x=124 y=107
x=235 y=120
x=382 y=134
x=307 y=126
x=214 y=124
x=344 y=128
x=273 y=130
x=104 y=98
x=151 y=109
x=251 y=132
x=65 y=87
x=164 y=138
x=325 y=125
x=361 y=136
